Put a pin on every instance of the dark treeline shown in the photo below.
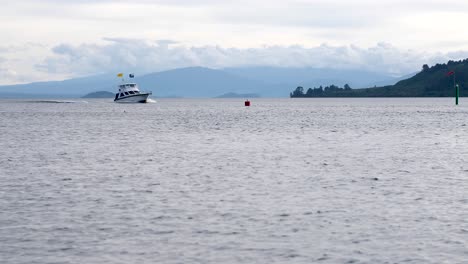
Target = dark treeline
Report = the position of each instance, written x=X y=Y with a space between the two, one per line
x=328 y=91
x=429 y=82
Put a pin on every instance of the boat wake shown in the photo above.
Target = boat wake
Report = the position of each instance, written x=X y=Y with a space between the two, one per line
x=58 y=102
x=150 y=101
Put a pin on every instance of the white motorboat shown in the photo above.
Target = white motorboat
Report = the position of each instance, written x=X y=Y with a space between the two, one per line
x=129 y=93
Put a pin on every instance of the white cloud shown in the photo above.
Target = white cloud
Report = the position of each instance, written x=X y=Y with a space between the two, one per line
x=261 y=32
x=243 y=23
x=145 y=56
x=62 y=61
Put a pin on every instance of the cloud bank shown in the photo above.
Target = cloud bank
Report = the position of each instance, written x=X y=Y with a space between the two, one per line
x=56 y=39
x=143 y=56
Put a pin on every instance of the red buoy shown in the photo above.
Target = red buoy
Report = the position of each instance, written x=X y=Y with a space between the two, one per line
x=247 y=103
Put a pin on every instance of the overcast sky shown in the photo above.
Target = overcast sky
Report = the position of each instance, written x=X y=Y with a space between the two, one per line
x=57 y=39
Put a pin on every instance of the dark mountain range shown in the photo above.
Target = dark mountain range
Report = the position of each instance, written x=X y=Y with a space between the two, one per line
x=199 y=82
x=68 y=88
x=313 y=76
x=202 y=82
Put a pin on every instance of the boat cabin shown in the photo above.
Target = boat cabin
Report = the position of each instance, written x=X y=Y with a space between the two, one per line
x=127 y=89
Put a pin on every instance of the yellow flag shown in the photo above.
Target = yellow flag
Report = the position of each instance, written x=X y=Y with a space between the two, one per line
x=120 y=75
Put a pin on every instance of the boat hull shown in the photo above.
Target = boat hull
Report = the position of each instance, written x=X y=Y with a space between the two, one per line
x=137 y=98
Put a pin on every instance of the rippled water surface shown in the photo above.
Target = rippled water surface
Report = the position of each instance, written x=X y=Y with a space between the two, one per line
x=211 y=181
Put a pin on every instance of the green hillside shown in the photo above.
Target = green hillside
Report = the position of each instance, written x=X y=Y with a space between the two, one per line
x=430 y=82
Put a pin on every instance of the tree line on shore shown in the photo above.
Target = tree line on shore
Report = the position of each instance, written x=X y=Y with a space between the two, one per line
x=436 y=81
x=321 y=91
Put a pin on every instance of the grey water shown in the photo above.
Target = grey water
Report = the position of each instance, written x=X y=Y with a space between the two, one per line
x=212 y=181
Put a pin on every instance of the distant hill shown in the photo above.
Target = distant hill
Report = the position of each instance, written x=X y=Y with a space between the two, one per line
x=202 y=82
x=387 y=82
x=68 y=88
x=311 y=77
x=100 y=94
x=184 y=82
x=433 y=81
x=199 y=82
x=430 y=82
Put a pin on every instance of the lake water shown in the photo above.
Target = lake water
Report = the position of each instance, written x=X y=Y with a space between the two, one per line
x=212 y=181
